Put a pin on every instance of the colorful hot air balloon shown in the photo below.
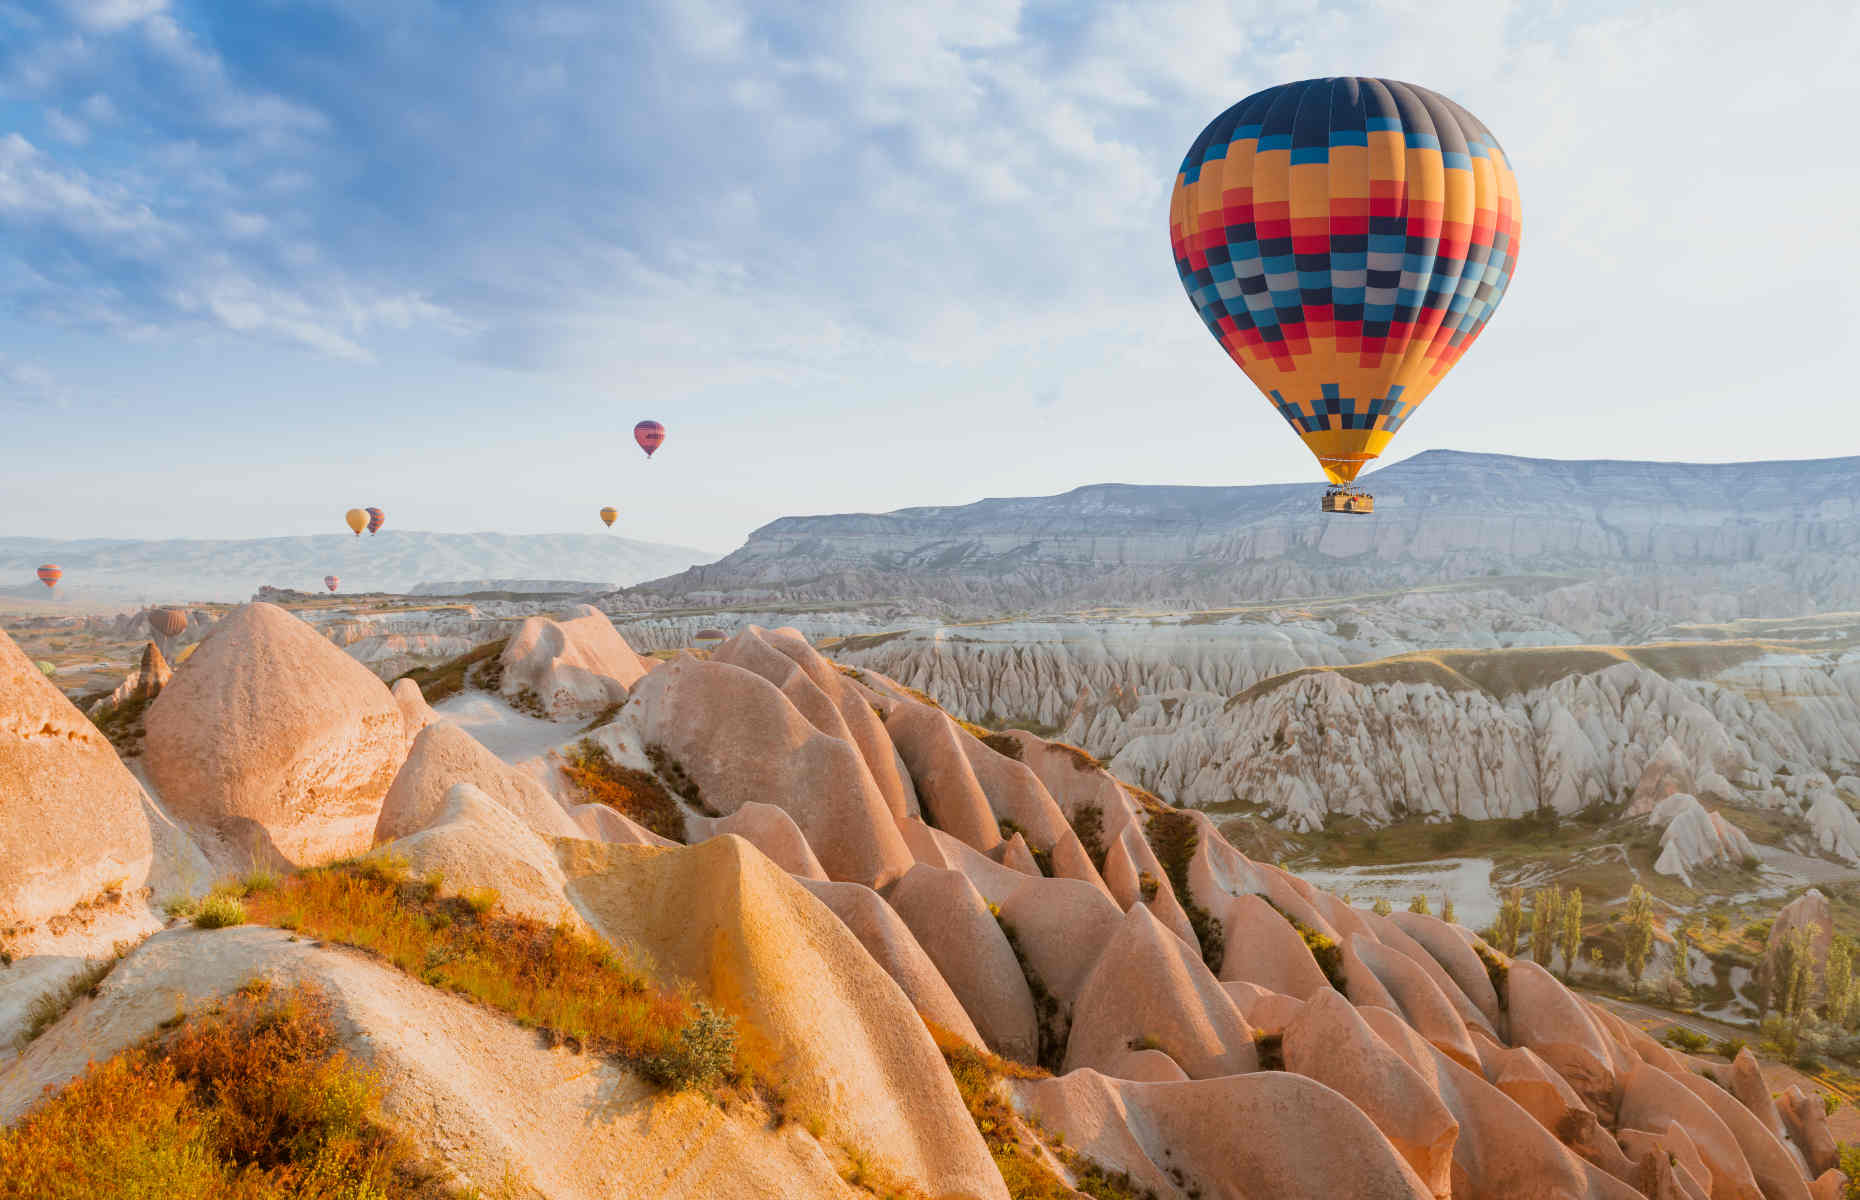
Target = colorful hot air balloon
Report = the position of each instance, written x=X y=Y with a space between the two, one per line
x=650 y=435
x=709 y=637
x=609 y=515
x=331 y=582
x=168 y=622
x=1345 y=240
x=357 y=519
x=376 y=519
x=50 y=574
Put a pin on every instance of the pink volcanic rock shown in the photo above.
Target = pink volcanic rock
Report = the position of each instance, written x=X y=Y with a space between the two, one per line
x=1330 y=1043
x=1426 y=1008
x=868 y=730
x=953 y=925
x=599 y=823
x=922 y=842
x=892 y=946
x=1148 y=984
x=740 y=740
x=1396 y=938
x=1263 y=948
x=472 y=841
x=1360 y=982
x=1062 y=925
x=1754 y=1094
x=142 y=684
x=1016 y=795
x=1652 y=1100
x=276 y=741
x=443 y=755
x=1806 y=1119
x=770 y=830
x=1829 y=1185
x=415 y=713
x=579 y=665
x=1265 y=1012
x=1455 y=957
x=995 y=881
x=951 y=796
x=1216 y=868
x=1501 y=1150
x=1345 y=919
x=72 y=817
x=1146 y=1066
x=1778 y=1171
x=1014 y=854
x=1633 y=1039
x=1241 y=1137
x=1550 y=1020
x=1693 y=1180
x=1538 y=1090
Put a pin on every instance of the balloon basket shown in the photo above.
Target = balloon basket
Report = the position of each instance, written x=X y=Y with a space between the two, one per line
x=1348 y=500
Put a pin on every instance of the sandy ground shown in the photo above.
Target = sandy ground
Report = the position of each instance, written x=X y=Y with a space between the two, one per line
x=505 y=732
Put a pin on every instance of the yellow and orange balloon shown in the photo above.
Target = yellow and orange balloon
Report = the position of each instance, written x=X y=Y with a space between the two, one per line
x=609 y=515
x=357 y=519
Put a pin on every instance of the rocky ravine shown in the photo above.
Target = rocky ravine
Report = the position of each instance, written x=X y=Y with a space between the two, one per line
x=857 y=867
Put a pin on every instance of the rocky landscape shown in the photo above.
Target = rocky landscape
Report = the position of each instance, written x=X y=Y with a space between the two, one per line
x=566 y=919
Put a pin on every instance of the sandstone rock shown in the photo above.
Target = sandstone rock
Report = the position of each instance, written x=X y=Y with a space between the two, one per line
x=1330 y=1043
x=1552 y=1022
x=473 y=842
x=951 y=796
x=1694 y=838
x=1265 y=1012
x=739 y=740
x=1423 y=1004
x=444 y=755
x=1148 y=985
x=1540 y=1091
x=1690 y=1180
x=1017 y=797
x=275 y=741
x=1062 y=926
x=72 y=822
x=601 y=823
x=1015 y=855
x=816 y=1011
x=1263 y=948
x=1778 y=1173
x=415 y=713
x=953 y=925
x=890 y=943
x=1394 y=936
x=770 y=830
x=1753 y=1093
x=1147 y=1066
x=143 y=683
x=580 y=665
x=1653 y=1100
x=1806 y=1119
x=1234 y=1138
x=1829 y=1185
x=1834 y=825
x=1667 y=773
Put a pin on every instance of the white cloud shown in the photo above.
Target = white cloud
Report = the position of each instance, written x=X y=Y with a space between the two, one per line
x=25 y=384
x=108 y=16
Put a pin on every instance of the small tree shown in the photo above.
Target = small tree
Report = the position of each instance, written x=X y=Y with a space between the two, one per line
x=1800 y=976
x=1572 y=929
x=1510 y=923
x=1682 y=956
x=1418 y=904
x=1841 y=982
x=1382 y=907
x=1639 y=933
x=1446 y=909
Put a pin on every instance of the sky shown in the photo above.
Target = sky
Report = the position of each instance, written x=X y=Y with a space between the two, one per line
x=261 y=262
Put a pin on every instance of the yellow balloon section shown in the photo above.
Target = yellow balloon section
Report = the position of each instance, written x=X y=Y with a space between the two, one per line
x=357 y=519
x=609 y=516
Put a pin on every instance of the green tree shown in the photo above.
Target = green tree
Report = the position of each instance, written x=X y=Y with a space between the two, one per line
x=1572 y=929
x=1682 y=955
x=1638 y=936
x=1841 y=981
x=1418 y=904
x=1446 y=909
x=1510 y=924
x=1546 y=924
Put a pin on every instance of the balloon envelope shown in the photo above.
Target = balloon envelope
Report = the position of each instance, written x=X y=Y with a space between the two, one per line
x=169 y=622
x=650 y=435
x=376 y=518
x=609 y=516
x=331 y=581
x=50 y=574
x=357 y=519
x=1345 y=240
x=710 y=635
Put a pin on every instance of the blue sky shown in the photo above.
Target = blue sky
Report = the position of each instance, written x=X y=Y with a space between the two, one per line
x=262 y=261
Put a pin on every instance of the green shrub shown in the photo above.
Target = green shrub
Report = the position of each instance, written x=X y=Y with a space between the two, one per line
x=1089 y=826
x=1689 y=1040
x=219 y=911
x=704 y=1053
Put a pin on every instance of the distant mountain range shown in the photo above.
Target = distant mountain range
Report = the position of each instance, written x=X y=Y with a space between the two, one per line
x=391 y=561
x=1768 y=537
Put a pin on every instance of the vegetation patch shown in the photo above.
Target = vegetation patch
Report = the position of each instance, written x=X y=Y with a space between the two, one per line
x=1089 y=826
x=570 y=986
x=1498 y=970
x=1002 y=743
x=1055 y=1027
x=1025 y=1171
x=122 y=724
x=1691 y=1041
x=673 y=771
x=1173 y=836
x=1271 y=1050
x=1042 y=858
x=1081 y=760
x=1146 y=800
x=449 y=678
x=1323 y=947
x=634 y=793
x=48 y=1009
x=252 y=1100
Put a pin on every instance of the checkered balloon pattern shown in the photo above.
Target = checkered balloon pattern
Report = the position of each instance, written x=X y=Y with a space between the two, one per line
x=1345 y=240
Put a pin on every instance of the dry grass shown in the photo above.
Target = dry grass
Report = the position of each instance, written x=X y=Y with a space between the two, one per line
x=564 y=983
x=1174 y=837
x=48 y=1009
x=252 y=1101
x=450 y=678
x=637 y=794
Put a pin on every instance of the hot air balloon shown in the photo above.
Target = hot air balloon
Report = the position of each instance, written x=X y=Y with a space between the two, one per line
x=650 y=435
x=50 y=574
x=609 y=515
x=168 y=622
x=709 y=637
x=357 y=519
x=331 y=582
x=376 y=519
x=1345 y=240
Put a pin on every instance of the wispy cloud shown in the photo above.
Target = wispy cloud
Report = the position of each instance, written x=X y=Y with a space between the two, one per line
x=23 y=385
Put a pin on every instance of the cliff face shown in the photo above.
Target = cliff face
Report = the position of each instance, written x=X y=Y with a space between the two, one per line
x=1769 y=537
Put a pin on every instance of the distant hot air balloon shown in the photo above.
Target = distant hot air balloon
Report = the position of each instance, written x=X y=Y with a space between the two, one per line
x=609 y=515
x=168 y=622
x=331 y=582
x=376 y=518
x=50 y=574
x=709 y=637
x=357 y=519
x=1345 y=240
x=650 y=435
